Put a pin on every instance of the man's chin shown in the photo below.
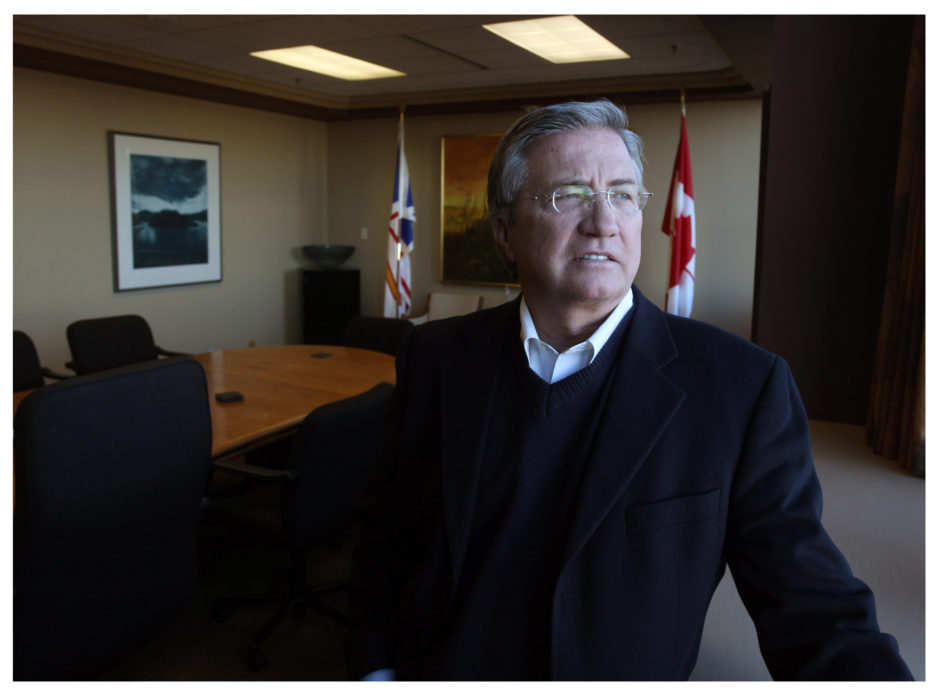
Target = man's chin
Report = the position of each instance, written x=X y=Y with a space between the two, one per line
x=602 y=301
x=599 y=292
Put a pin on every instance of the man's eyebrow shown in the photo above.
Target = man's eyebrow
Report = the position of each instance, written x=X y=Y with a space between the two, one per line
x=582 y=182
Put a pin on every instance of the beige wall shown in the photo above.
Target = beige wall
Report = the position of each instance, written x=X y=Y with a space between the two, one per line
x=276 y=196
x=725 y=152
x=273 y=200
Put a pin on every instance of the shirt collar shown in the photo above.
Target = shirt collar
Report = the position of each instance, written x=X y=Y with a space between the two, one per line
x=594 y=343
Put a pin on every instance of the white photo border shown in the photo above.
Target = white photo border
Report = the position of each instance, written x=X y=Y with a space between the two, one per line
x=121 y=147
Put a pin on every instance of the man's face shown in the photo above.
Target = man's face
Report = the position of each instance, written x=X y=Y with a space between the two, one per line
x=584 y=259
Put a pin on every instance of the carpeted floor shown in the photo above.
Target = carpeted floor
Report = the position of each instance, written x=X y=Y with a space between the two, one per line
x=199 y=647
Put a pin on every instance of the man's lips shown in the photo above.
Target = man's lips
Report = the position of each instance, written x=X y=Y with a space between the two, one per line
x=594 y=256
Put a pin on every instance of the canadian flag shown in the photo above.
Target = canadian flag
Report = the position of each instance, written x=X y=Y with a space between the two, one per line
x=679 y=223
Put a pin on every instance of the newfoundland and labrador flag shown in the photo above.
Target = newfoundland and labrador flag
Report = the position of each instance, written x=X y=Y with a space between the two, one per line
x=679 y=223
x=400 y=237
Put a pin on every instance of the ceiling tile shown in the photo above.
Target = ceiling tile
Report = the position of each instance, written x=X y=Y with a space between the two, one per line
x=691 y=52
x=300 y=30
x=466 y=38
x=509 y=56
x=385 y=50
x=625 y=26
x=105 y=29
x=410 y=23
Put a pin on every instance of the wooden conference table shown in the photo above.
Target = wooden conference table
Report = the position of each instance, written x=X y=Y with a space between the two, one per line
x=280 y=385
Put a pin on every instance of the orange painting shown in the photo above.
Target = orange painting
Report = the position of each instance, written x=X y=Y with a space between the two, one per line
x=469 y=254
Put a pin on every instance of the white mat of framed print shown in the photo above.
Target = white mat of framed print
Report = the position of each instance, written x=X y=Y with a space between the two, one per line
x=166 y=211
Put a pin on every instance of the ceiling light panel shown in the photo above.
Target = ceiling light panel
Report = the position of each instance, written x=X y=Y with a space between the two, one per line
x=324 y=62
x=558 y=39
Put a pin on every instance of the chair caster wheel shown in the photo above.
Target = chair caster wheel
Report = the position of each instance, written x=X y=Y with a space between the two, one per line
x=256 y=661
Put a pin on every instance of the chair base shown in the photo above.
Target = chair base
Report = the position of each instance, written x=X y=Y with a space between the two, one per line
x=290 y=603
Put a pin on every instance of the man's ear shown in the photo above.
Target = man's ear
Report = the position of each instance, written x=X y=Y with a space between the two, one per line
x=501 y=236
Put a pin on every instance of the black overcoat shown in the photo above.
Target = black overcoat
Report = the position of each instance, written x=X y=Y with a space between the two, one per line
x=702 y=462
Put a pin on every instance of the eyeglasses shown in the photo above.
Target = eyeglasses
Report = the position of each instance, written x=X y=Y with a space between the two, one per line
x=624 y=198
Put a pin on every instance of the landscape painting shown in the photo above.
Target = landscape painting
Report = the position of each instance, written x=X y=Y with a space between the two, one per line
x=468 y=253
x=166 y=212
x=169 y=209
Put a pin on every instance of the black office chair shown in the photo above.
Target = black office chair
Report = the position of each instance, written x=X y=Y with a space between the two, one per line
x=28 y=371
x=383 y=334
x=313 y=502
x=109 y=476
x=108 y=342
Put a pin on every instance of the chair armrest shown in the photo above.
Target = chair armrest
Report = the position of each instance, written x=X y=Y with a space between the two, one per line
x=46 y=372
x=168 y=353
x=252 y=471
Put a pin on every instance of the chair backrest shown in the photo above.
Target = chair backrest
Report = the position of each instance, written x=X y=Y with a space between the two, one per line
x=27 y=370
x=333 y=456
x=445 y=304
x=383 y=334
x=109 y=471
x=108 y=342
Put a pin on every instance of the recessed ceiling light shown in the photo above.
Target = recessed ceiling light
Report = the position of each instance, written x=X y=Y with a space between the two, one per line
x=558 y=39
x=320 y=60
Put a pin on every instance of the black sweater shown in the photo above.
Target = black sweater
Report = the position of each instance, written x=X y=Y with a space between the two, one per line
x=538 y=441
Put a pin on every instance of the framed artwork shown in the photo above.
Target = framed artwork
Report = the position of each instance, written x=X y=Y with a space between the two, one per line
x=468 y=253
x=166 y=211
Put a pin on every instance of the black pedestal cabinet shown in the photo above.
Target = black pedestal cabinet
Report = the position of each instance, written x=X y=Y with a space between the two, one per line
x=330 y=299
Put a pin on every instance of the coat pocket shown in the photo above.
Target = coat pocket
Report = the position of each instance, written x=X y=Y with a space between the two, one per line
x=667 y=513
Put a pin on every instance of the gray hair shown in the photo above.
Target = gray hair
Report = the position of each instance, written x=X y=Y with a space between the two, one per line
x=509 y=169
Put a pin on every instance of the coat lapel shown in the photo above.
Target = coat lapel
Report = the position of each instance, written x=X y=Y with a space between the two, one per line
x=468 y=384
x=642 y=402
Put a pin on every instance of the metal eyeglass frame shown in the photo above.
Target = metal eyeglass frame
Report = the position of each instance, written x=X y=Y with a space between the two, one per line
x=641 y=200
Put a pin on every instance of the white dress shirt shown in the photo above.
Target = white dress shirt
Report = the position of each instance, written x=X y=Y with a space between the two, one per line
x=553 y=366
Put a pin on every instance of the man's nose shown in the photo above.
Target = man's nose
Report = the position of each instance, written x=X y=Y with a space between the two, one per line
x=600 y=219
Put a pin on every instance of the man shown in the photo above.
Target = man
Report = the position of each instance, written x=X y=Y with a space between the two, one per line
x=567 y=475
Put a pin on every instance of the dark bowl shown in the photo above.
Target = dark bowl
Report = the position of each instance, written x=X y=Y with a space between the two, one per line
x=328 y=256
